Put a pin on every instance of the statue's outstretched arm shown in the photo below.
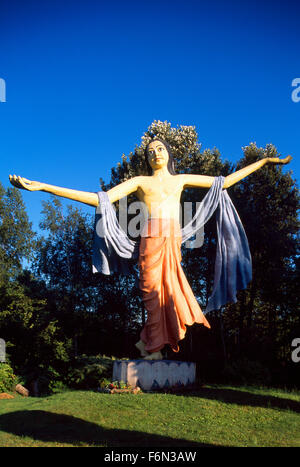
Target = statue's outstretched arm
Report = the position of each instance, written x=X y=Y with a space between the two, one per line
x=116 y=193
x=82 y=196
x=240 y=174
x=204 y=181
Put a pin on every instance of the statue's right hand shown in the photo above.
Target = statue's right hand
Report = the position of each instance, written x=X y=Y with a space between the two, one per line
x=20 y=182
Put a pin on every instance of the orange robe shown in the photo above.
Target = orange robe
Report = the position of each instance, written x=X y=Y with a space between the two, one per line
x=167 y=295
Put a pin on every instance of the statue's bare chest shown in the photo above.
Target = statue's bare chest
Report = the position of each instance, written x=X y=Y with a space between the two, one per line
x=160 y=190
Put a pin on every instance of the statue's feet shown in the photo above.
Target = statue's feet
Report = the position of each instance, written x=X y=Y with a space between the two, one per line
x=140 y=345
x=154 y=356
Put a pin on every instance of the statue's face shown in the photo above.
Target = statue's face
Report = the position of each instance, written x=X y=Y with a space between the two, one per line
x=158 y=155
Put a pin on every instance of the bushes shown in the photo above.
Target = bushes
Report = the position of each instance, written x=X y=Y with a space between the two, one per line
x=85 y=372
x=8 y=379
x=244 y=371
x=88 y=371
x=45 y=380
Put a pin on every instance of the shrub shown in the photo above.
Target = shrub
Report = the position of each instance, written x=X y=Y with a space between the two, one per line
x=88 y=371
x=8 y=379
x=49 y=381
x=244 y=371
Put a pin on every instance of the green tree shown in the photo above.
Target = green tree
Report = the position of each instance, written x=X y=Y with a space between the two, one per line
x=267 y=202
x=63 y=261
x=96 y=311
x=16 y=235
x=35 y=342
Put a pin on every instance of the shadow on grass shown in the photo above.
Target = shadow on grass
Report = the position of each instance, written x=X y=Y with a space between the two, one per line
x=65 y=429
x=234 y=396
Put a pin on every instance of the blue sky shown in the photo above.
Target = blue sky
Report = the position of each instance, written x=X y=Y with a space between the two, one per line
x=85 y=79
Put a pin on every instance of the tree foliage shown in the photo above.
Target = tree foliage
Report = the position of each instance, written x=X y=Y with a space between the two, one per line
x=96 y=311
x=267 y=312
x=16 y=235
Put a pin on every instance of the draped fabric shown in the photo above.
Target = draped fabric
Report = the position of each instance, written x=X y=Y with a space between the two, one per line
x=205 y=210
x=167 y=295
x=233 y=263
x=113 y=251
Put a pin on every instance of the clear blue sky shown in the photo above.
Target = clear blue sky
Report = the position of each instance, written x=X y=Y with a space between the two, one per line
x=85 y=79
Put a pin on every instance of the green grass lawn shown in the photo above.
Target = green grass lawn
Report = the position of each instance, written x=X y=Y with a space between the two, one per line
x=212 y=416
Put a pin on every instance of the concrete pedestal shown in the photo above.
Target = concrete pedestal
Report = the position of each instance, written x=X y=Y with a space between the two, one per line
x=154 y=374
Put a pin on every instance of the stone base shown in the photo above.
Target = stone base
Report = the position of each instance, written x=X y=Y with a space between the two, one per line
x=154 y=374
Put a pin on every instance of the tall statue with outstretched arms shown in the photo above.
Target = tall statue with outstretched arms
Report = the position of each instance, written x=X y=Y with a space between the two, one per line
x=167 y=296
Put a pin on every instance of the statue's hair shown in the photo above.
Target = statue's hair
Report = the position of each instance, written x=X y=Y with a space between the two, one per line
x=171 y=164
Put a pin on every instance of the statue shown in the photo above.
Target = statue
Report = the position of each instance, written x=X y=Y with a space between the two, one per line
x=167 y=296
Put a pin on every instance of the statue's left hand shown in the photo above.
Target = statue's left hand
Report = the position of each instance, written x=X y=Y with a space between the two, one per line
x=276 y=160
x=24 y=183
